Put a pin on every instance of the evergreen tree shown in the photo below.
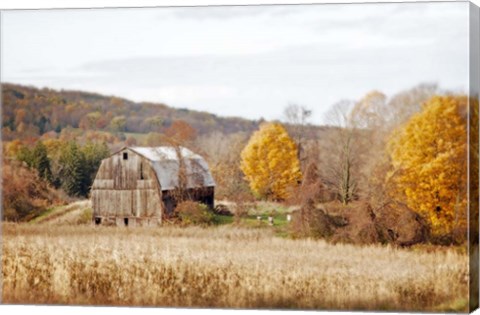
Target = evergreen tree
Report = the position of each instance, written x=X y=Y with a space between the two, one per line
x=41 y=162
x=94 y=153
x=25 y=155
x=74 y=171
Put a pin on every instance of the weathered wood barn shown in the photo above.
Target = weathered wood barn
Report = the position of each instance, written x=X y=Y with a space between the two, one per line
x=142 y=185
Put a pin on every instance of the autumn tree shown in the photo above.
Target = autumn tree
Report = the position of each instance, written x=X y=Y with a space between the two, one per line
x=89 y=121
x=270 y=162
x=181 y=132
x=473 y=169
x=12 y=148
x=154 y=123
x=429 y=156
x=117 y=124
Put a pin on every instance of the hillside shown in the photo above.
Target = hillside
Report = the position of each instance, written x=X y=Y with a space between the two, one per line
x=30 y=112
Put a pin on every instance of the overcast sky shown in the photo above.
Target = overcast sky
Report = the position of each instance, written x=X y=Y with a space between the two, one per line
x=240 y=61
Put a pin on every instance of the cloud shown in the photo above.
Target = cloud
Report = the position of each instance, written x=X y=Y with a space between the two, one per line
x=219 y=12
x=248 y=61
x=184 y=94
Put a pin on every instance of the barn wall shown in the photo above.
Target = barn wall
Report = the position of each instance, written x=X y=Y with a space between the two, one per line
x=127 y=188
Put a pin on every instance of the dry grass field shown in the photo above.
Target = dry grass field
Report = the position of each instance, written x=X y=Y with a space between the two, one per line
x=223 y=267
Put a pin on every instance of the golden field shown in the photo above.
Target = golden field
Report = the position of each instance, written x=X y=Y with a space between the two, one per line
x=223 y=267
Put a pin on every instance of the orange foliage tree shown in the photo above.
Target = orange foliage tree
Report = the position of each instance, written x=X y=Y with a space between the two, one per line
x=181 y=131
x=270 y=162
x=429 y=156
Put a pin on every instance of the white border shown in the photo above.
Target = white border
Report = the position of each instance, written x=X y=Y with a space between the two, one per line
x=60 y=4
x=46 y=4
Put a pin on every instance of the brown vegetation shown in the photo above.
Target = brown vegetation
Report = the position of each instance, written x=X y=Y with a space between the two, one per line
x=194 y=213
x=360 y=223
x=392 y=223
x=222 y=267
x=25 y=194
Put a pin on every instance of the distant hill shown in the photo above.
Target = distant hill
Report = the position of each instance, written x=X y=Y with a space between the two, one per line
x=29 y=112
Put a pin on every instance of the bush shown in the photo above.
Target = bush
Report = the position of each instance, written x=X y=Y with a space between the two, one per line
x=401 y=225
x=310 y=221
x=194 y=213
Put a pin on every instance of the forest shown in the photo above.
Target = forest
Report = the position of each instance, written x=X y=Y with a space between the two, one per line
x=388 y=157
x=29 y=112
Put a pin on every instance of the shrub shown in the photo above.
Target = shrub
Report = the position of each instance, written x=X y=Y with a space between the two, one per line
x=25 y=194
x=311 y=222
x=195 y=213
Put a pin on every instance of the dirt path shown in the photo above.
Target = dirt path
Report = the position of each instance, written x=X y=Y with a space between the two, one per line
x=70 y=213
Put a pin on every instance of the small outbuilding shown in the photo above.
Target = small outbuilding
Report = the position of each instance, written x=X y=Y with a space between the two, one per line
x=142 y=185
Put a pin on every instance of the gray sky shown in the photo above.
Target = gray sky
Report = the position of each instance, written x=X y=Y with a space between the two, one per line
x=240 y=61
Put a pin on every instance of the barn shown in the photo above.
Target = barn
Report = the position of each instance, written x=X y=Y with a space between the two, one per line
x=142 y=185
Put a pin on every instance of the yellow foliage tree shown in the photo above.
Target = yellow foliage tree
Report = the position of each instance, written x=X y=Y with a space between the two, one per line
x=429 y=156
x=473 y=169
x=270 y=162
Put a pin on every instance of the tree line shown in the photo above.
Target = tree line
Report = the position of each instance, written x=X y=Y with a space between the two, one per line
x=409 y=149
x=28 y=112
x=65 y=165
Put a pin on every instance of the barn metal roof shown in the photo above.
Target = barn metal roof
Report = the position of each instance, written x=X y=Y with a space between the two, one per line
x=165 y=162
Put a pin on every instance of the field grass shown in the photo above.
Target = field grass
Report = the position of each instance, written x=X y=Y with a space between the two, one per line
x=222 y=266
x=223 y=219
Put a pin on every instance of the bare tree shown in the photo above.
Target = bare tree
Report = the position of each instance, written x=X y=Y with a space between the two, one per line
x=223 y=155
x=378 y=117
x=297 y=118
x=371 y=111
x=371 y=115
x=353 y=158
x=406 y=103
x=339 y=160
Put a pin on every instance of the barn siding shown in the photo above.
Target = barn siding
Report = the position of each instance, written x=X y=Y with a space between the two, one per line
x=118 y=191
